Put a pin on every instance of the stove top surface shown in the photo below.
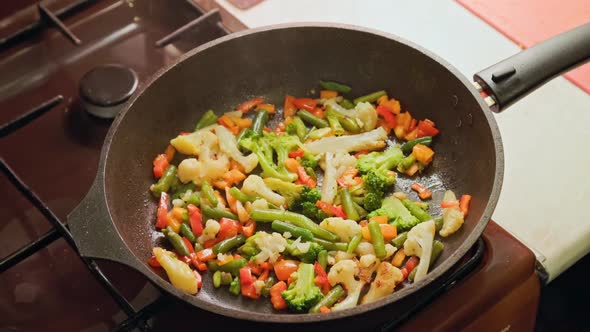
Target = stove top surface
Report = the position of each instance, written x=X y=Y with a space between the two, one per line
x=57 y=156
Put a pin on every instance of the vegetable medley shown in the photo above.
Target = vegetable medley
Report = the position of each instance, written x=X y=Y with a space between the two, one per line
x=302 y=212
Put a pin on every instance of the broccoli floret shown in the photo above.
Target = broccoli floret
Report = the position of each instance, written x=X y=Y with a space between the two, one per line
x=306 y=204
x=372 y=201
x=310 y=256
x=303 y=293
x=381 y=164
x=397 y=214
x=309 y=160
x=266 y=147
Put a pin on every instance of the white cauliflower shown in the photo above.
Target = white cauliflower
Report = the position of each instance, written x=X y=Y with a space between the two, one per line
x=180 y=274
x=254 y=185
x=452 y=217
x=210 y=231
x=344 y=272
x=189 y=144
x=419 y=243
x=365 y=248
x=345 y=229
x=388 y=276
x=229 y=146
x=270 y=245
x=389 y=250
x=211 y=165
x=368 y=264
x=334 y=164
x=364 y=113
x=370 y=140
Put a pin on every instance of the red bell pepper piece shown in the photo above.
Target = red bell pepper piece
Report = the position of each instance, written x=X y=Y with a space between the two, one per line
x=195 y=219
x=321 y=279
x=247 y=283
x=387 y=115
x=426 y=128
x=289 y=108
x=296 y=153
x=449 y=204
x=464 y=204
x=412 y=263
x=205 y=255
x=360 y=153
x=249 y=105
x=228 y=228
x=162 y=210
x=304 y=178
x=331 y=210
x=153 y=262
x=423 y=192
x=277 y=300
x=307 y=104
x=160 y=165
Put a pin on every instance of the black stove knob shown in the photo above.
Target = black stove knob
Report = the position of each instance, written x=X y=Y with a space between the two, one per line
x=106 y=88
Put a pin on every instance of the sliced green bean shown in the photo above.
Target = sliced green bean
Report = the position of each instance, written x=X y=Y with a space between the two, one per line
x=176 y=241
x=228 y=244
x=178 y=193
x=416 y=211
x=164 y=183
x=399 y=240
x=207 y=119
x=217 y=213
x=328 y=301
x=209 y=194
x=233 y=266
x=260 y=120
x=335 y=124
x=348 y=205
x=194 y=199
x=334 y=86
x=312 y=119
x=240 y=196
x=293 y=218
x=408 y=146
x=186 y=231
x=347 y=104
x=323 y=258
x=371 y=97
x=347 y=122
x=438 y=223
x=377 y=239
x=354 y=242
x=217 y=279
x=235 y=288
x=295 y=231
x=332 y=246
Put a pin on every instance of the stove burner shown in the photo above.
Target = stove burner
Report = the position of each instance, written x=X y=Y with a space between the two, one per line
x=105 y=88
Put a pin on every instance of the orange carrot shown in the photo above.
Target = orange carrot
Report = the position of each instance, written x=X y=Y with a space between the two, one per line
x=398 y=258
x=249 y=228
x=389 y=232
x=270 y=108
x=231 y=200
x=325 y=309
x=292 y=165
x=423 y=153
x=289 y=108
x=170 y=150
x=464 y=204
x=172 y=222
x=422 y=191
x=277 y=300
x=327 y=94
x=381 y=100
x=379 y=219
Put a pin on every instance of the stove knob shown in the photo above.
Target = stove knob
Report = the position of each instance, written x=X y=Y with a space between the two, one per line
x=105 y=89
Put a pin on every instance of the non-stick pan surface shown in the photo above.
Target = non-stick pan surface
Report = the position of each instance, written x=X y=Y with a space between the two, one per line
x=116 y=220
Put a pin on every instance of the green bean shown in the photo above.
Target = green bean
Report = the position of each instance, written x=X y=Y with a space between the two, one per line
x=346 y=121
x=328 y=301
x=293 y=218
x=354 y=242
x=165 y=181
x=335 y=124
x=334 y=86
x=260 y=120
x=399 y=240
x=437 y=248
x=416 y=211
x=217 y=213
x=186 y=231
x=228 y=244
x=176 y=241
x=208 y=192
x=405 y=163
x=372 y=97
x=265 y=291
x=233 y=266
x=409 y=145
x=348 y=205
x=359 y=209
x=323 y=258
x=438 y=223
x=240 y=196
x=212 y=265
x=235 y=288
x=332 y=246
x=377 y=239
x=312 y=119
x=217 y=279
x=207 y=119
x=226 y=278
x=295 y=231
x=412 y=274
x=248 y=251
x=194 y=199
x=178 y=193
x=311 y=172
x=347 y=104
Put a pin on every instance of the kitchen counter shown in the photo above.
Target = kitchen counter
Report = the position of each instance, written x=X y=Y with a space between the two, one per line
x=545 y=186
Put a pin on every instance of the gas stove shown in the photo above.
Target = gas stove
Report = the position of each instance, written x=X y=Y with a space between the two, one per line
x=50 y=146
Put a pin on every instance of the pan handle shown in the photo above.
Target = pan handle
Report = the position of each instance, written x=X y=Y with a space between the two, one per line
x=94 y=233
x=513 y=78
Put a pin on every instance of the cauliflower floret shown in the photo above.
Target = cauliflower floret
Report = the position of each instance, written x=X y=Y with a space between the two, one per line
x=389 y=250
x=419 y=243
x=370 y=140
x=345 y=229
x=452 y=217
x=365 y=248
x=363 y=112
x=229 y=146
x=180 y=274
x=210 y=231
x=270 y=245
x=211 y=164
x=260 y=203
x=189 y=144
x=388 y=276
x=342 y=255
x=334 y=164
x=254 y=185
x=344 y=272
x=368 y=264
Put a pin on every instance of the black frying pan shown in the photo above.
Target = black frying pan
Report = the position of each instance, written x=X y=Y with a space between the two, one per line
x=116 y=219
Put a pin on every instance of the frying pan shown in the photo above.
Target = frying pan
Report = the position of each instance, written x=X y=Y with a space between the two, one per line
x=115 y=221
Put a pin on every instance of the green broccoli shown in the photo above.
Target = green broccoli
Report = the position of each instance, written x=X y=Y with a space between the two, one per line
x=309 y=160
x=306 y=204
x=289 y=190
x=250 y=249
x=297 y=128
x=303 y=293
x=266 y=146
x=378 y=177
x=397 y=214
x=310 y=256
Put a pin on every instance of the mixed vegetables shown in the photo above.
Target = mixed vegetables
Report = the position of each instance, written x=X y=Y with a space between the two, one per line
x=301 y=212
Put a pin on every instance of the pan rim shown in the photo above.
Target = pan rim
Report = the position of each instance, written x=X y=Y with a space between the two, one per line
x=359 y=309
